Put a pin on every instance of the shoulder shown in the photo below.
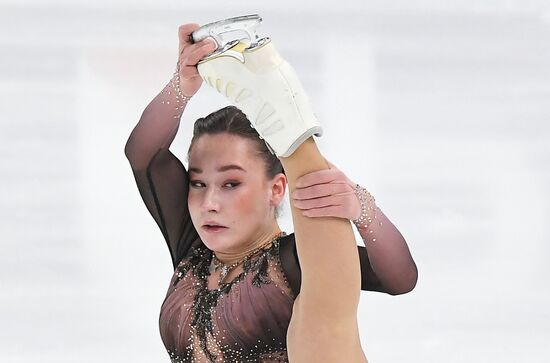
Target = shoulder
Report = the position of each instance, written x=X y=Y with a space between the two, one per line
x=287 y=247
x=194 y=255
x=289 y=262
x=287 y=238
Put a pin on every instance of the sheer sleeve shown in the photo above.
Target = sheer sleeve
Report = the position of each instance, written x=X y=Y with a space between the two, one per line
x=369 y=279
x=161 y=178
x=291 y=266
x=386 y=262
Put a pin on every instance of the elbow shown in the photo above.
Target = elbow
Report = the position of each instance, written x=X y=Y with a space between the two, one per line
x=129 y=157
x=407 y=284
x=130 y=152
x=127 y=148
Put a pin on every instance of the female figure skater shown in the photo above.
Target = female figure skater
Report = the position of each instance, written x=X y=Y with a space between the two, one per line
x=243 y=290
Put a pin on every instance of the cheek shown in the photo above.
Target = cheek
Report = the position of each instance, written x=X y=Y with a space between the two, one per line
x=193 y=206
x=192 y=201
x=244 y=201
x=249 y=203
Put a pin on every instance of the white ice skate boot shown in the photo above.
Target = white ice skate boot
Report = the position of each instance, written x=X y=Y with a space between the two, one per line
x=265 y=87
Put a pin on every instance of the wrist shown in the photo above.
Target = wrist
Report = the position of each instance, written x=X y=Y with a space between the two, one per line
x=173 y=95
x=368 y=208
x=175 y=82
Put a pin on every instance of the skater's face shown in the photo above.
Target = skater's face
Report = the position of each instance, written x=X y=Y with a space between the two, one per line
x=228 y=186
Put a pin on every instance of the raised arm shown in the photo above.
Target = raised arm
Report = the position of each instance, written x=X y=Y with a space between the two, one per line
x=161 y=178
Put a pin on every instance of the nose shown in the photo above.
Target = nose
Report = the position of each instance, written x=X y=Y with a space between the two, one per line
x=210 y=201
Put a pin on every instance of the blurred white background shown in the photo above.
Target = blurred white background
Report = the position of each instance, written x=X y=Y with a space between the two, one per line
x=440 y=108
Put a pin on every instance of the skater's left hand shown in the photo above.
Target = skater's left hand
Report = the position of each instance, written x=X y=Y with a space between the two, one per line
x=326 y=193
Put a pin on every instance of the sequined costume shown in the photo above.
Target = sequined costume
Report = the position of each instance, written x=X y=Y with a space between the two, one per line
x=246 y=318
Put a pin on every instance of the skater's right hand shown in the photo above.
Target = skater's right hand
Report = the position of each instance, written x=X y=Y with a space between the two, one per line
x=189 y=55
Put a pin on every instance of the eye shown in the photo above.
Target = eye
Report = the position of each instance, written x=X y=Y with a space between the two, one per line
x=197 y=184
x=234 y=184
x=193 y=183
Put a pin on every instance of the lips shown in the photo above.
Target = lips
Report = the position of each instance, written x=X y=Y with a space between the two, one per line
x=213 y=228
x=212 y=224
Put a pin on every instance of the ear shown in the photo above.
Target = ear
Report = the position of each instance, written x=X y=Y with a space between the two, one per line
x=278 y=188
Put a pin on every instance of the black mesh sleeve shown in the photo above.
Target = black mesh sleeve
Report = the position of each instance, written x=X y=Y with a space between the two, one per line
x=161 y=178
x=291 y=266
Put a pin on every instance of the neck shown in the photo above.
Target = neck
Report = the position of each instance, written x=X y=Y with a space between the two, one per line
x=263 y=239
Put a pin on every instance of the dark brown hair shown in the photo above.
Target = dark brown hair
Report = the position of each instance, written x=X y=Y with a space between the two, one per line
x=233 y=121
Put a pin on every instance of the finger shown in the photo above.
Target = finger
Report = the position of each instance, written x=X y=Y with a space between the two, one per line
x=334 y=200
x=316 y=177
x=335 y=168
x=202 y=48
x=189 y=49
x=185 y=30
x=183 y=34
x=332 y=211
x=321 y=190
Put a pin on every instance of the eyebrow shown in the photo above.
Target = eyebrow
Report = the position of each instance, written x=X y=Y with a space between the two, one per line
x=220 y=169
